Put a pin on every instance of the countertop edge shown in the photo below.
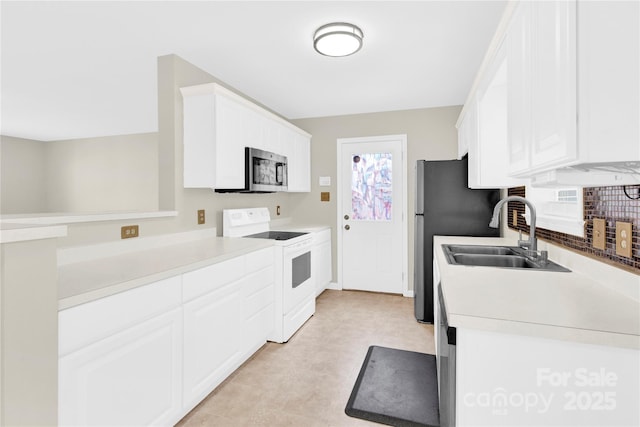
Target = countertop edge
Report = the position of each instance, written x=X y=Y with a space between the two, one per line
x=13 y=232
x=584 y=336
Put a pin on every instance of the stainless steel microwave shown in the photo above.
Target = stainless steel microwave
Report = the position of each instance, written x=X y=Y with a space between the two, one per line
x=264 y=172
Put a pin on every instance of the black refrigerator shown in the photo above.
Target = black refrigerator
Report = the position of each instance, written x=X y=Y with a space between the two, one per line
x=445 y=206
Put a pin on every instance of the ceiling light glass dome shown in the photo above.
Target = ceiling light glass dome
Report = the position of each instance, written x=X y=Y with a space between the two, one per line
x=338 y=39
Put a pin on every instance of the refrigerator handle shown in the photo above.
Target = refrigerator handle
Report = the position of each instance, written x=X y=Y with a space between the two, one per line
x=419 y=188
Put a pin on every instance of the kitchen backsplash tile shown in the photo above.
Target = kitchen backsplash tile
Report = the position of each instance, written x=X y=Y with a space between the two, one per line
x=609 y=203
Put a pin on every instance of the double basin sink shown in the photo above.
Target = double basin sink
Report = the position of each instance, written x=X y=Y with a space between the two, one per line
x=498 y=256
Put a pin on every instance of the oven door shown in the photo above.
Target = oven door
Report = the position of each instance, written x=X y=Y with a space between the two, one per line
x=298 y=283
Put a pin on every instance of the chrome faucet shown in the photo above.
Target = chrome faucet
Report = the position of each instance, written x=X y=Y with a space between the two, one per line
x=532 y=243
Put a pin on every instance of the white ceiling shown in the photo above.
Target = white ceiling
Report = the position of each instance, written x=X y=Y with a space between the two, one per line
x=81 y=69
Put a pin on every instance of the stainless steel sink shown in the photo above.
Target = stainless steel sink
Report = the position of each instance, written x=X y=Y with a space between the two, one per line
x=498 y=256
x=487 y=250
x=508 y=261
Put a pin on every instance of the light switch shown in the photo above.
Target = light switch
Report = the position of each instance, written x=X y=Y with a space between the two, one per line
x=324 y=181
x=599 y=233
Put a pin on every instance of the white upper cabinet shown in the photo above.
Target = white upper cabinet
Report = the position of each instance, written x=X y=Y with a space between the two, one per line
x=518 y=41
x=482 y=127
x=232 y=123
x=219 y=124
x=467 y=128
x=542 y=86
x=553 y=65
x=574 y=95
x=487 y=128
x=609 y=81
x=300 y=164
x=213 y=124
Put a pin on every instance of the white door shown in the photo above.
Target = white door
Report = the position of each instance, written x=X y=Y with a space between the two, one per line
x=371 y=214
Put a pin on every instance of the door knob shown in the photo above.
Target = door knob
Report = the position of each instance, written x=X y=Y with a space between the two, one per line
x=346 y=227
x=346 y=217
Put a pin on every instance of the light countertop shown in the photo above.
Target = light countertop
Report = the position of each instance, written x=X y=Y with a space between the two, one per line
x=567 y=306
x=14 y=232
x=288 y=226
x=85 y=281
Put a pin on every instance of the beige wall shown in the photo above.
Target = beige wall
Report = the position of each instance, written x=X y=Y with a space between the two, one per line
x=106 y=174
x=29 y=338
x=431 y=135
x=22 y=175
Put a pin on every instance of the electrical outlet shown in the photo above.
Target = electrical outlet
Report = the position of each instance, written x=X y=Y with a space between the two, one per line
x=324 y=196
x=514 y=221
x=128 y=231
x=599 y=233
x=623 y=239
x=201 y=216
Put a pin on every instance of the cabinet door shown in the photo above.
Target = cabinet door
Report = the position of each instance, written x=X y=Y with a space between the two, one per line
x=273 y=132
x=252 y=124
x=130 y=378
x=608 y=82
x=300 y=164
x=212 y=336
x=554 y=84
x=468 y=132
x=321 y=262
x=230 y=143
x=488 y=151
x=519 y=106
x=258 y=309
x=463 y=138
x=199 y=139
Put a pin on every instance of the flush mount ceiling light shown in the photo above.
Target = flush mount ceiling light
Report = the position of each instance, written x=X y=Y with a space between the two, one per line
x=338 y=39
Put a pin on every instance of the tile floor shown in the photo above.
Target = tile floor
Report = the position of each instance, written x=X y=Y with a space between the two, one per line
x=307 y=381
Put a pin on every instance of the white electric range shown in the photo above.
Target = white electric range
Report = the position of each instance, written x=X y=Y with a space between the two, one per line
x=295 y=300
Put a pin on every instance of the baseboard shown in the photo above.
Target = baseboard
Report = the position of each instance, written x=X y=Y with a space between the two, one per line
x=408 y=294
x=334 y=286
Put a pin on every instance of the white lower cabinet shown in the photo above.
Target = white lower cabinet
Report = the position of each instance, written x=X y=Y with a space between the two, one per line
x=149 y=355
x=258 y=309
x=212 y=334
x=227 y=321
x=507 y=380
x=321 y=260
x=131 y=376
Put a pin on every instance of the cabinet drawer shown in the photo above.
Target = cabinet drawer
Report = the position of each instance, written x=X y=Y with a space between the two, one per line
x=260 y=259
x=84 y=324
x=321 y=236
x=257 y=328
x=258 y=300
x=199 y=282
x=254 y=282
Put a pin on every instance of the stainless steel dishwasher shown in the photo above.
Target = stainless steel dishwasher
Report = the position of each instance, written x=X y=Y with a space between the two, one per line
x=446 y=366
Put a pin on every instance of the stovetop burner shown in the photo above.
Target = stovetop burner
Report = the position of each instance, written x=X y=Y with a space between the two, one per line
x=277 y=235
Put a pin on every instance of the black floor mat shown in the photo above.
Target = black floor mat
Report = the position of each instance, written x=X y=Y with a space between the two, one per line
x=397 y=388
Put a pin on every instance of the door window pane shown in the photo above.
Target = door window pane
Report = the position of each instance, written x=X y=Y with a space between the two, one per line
x=371 y=187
